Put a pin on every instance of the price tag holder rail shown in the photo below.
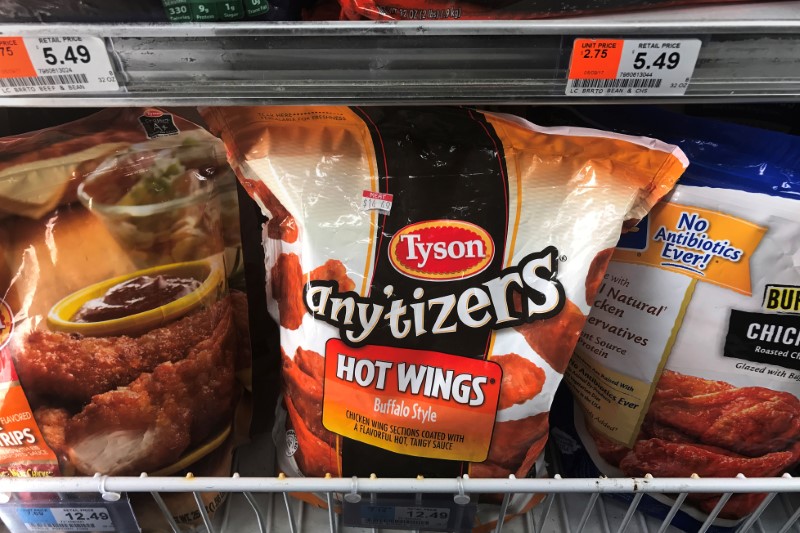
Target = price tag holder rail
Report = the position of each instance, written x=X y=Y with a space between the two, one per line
x=631 y=67
x=55 y=65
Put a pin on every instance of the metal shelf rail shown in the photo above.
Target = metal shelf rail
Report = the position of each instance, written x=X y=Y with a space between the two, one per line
x=352 y=489
x=749 y=52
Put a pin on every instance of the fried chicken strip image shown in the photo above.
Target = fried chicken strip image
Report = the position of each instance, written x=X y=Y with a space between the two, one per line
x=653 y=430
x=51 y=422
x=673 y=385
x=76 y=368
x=752 y=421
x=608 y=449
x=151 y=422
x=522 y=379
x=738 y=506
x=667 y=459
x=288 y=281
x=670 y=459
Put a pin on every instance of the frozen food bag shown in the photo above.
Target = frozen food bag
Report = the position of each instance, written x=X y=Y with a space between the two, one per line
x=231 y=10
x=118 y=345
x=429 y=268
x=94 y=11
x=689 y=362
x=420 y=10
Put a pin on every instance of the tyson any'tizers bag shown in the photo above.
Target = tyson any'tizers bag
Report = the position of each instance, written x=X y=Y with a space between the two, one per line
x=429 y=269
x=690 y=359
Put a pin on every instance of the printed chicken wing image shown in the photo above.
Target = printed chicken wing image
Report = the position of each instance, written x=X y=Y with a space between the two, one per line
x=597 y=270
x=555 y=338
x=522 y=379
x=306 y=393
x=314 y=456
x=288 y=281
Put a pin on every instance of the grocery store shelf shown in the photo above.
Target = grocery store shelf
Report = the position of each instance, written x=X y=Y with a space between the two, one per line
x=573 y=504
x=749 y=52
x=259 y=501
x=561 y=513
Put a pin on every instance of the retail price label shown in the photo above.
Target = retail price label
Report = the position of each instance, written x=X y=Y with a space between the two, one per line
x=432 y=513
x=79 y=516
x=631 y=67
x=55 y=65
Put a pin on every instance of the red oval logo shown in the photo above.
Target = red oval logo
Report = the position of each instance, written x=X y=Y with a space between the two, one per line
x=441 y=250
x=154 y=113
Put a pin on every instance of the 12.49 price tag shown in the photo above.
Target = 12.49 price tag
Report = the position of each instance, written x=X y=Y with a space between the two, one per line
x=631 y=67
x=53 y=65
x=90 y=514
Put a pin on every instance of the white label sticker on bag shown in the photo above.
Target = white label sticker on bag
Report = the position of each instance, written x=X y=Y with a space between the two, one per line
x=632 y=67
x=55 y=65
x=376 y=201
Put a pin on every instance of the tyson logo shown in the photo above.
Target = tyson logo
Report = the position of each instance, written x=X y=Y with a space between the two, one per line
x=441 y=250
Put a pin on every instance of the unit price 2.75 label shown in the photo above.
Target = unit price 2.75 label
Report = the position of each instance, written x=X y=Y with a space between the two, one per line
x=632 y=67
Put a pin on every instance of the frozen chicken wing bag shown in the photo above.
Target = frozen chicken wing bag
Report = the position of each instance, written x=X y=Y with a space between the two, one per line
x=118 y=346
x=689 y=362
x=429 y=269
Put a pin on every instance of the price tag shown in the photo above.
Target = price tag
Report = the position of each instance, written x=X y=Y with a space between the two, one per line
x=80 y=516
x=67 y=519
x=55 y=65
x=432 y=513
x=632 y=67
x=376 y=201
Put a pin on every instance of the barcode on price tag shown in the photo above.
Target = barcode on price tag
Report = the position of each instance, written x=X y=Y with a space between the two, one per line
x=632 y=67
x=378 y=201
x=54 y=65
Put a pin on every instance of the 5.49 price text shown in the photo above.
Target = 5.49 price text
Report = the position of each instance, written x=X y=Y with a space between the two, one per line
x=72 y=55
x=664 y=60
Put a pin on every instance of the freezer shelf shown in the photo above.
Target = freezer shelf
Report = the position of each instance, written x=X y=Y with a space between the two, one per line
x=749 y=52
x=575 y=505
x=565 y=516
